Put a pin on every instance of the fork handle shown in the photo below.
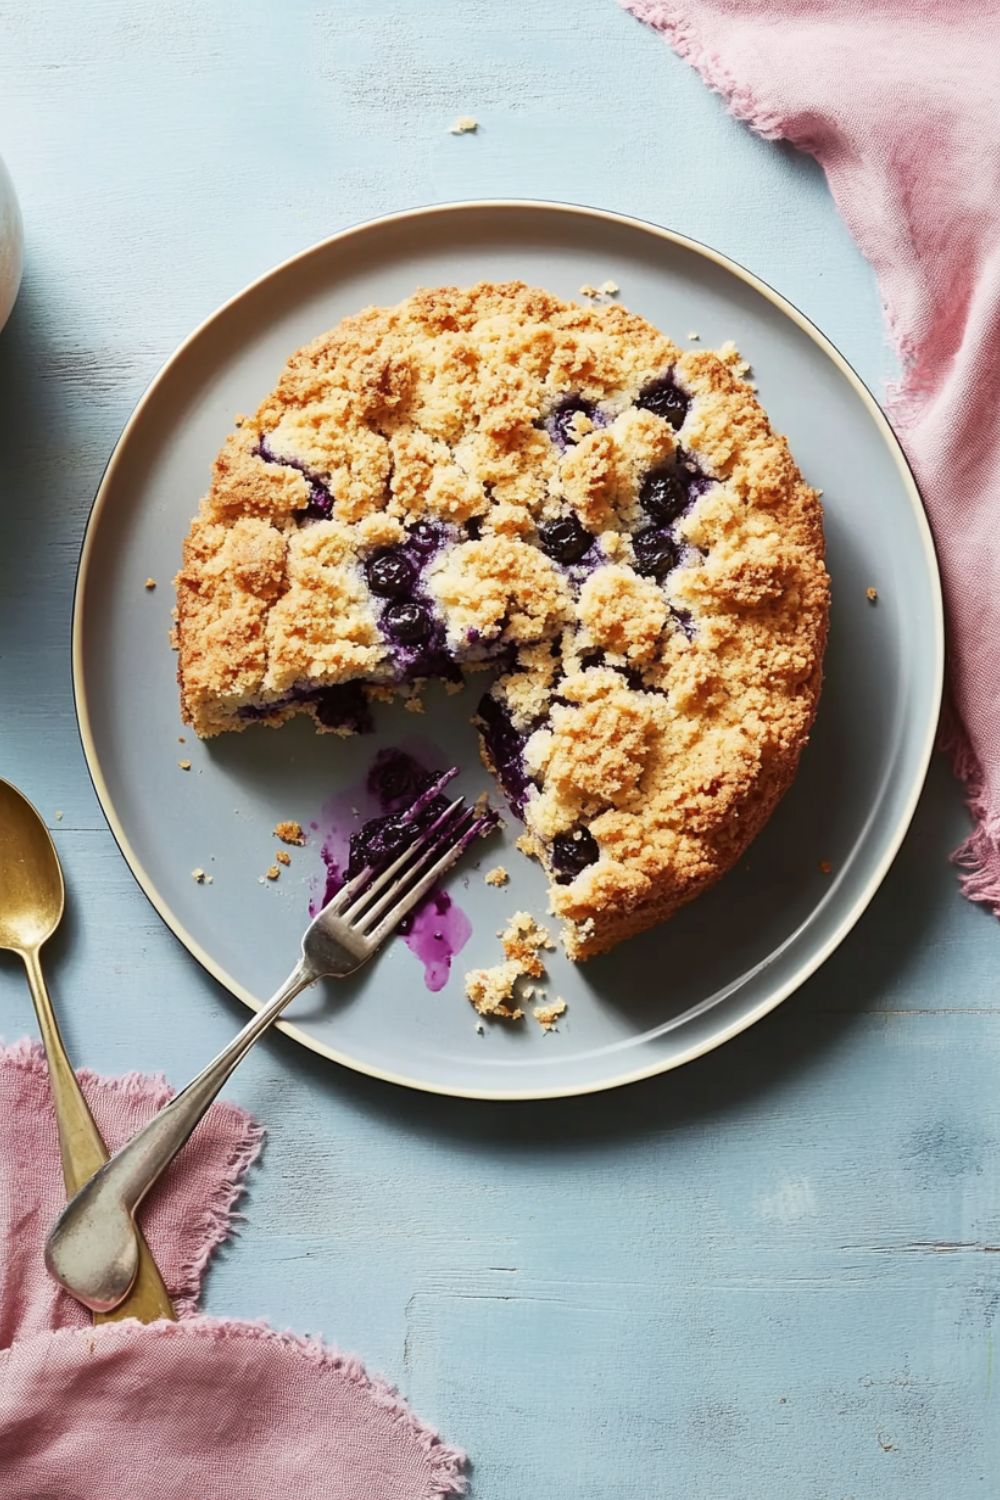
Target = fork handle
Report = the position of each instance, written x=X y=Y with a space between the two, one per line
x=134 y=1169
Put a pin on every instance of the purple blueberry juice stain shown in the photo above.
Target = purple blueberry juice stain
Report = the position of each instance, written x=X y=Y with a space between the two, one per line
x=434 y=933
x=437 y=929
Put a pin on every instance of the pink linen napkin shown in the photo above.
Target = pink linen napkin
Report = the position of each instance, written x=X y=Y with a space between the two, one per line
x=898 y=100
x=201 y=1409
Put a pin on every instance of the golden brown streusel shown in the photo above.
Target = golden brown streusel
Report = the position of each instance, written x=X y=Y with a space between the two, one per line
x=289 y=832
x=272 y=872
x=497 y=876
x=658 y=680
x=283 y=857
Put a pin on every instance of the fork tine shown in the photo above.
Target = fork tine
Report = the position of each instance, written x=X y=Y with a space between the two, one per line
x=423 y=885
x=357 y=884
x=425 y=851
x=418 y=846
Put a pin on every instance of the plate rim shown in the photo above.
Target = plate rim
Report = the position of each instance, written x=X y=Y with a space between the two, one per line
x=860 y=903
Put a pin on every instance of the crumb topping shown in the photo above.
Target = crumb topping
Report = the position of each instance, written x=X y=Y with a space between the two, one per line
x=289 y=832
x=497 y=876
x=561 y=490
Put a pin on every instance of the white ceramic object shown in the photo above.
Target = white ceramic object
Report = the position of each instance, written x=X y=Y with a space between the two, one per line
x=11 y=244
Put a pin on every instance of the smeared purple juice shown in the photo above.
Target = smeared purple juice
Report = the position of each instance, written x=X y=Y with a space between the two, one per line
x=437 y=929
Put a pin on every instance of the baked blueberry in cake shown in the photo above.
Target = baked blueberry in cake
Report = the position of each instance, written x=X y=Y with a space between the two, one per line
x=494 y=479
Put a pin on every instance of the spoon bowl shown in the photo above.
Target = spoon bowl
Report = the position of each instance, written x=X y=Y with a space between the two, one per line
x=32 y=894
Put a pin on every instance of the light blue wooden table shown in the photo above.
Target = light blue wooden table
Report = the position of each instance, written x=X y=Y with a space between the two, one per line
x=772 y=1274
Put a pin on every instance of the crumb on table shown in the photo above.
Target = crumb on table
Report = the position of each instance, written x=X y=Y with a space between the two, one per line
x=464 y=125
x=497 y=876
x=548 y=1015
x=272 y=872
x=289 y=832
x=283 y=857
x=150 y=583
x=871 y=595
x=185 y=765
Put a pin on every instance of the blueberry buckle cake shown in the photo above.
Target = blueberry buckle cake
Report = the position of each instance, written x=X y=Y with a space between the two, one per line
x=495 y=478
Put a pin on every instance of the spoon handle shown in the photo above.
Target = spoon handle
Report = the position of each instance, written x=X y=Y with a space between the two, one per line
x=83 y=1151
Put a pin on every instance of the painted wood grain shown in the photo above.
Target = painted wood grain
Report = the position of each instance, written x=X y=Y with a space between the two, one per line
x=774 y=1273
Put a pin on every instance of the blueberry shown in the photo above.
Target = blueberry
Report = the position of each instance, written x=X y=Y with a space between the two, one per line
x=343 y=706
x=504 y=745
x=390 y=573
x=663 y=398
x=560 y=424
x=408 y=622
x=573 y=852
x=424 y=536
x=656 y=552
x=663 y=494
x=320 y=506
x=565 y=540
x=382 y=840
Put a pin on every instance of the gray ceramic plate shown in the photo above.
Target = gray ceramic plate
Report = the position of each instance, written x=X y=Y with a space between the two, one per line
x=663 y=998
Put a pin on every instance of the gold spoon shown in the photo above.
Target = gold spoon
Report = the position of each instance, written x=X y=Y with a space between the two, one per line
x=32 y=896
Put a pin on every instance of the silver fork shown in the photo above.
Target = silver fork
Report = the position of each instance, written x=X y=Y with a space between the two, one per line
x=92 y=1251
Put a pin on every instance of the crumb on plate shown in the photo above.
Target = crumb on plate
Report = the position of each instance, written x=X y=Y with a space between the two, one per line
x=694 y=337
x=491 y=991
x=272 y=872
x=283 y=857
x=871 y=595
x=497 y=876
x=464 y=125
x=825 y=866
x=522 y=940
x=185 y=765
x=150 y=584
x=548 y=1015
x=289 y=832
x=201 y=877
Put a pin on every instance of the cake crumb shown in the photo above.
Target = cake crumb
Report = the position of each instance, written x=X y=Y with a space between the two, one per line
x=694 y=337
x=589 y=290
x=497 y=876
x=871 y=595
x=480 y=1029
x=609 y=288
x=283 y=857
x=59 y=815
x=825 y=866
x=150 y=584
x=548 y=1015
x=181 y=740
x=272 y=872
x=201 y=877
x=414 y=705
x=525 y=843
x=491 y=991
x=289 y=832
x=522 y=940
x=185 y=765
x=464 y=125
